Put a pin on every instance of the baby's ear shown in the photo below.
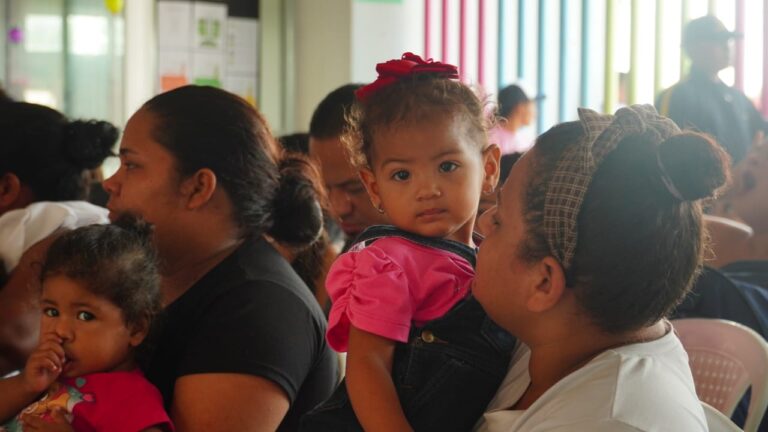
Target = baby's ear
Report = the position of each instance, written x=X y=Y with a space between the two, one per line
x=369 y=181
x=491 y=167
x=139 y=331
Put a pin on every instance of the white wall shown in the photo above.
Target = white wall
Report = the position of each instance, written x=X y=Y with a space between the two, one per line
x=322 y=56
x=271 y=23
x=140 y=68
x=382 y=31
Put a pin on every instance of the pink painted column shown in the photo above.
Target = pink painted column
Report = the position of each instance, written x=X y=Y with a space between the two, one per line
x=427 y=27
x=462 y=38
x=444 y=31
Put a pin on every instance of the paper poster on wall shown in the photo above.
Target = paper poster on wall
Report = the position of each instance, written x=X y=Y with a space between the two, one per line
x=208 y=69
x=209 y=22
x=244 y=86
x=174 y=30
x=174 y=69
x=242 y=45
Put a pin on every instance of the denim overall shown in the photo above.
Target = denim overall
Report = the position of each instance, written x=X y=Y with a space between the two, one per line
x=446 y=374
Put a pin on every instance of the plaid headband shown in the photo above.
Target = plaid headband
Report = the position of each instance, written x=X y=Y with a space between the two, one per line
x=578 y=163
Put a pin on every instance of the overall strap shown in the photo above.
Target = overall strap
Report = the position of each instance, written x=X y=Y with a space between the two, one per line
x=376 y=232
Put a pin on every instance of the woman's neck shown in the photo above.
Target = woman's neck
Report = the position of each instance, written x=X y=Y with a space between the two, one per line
x=557 y=358
x=180 y=274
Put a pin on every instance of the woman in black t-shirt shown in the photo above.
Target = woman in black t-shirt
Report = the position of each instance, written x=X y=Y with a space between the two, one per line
x=241 y=345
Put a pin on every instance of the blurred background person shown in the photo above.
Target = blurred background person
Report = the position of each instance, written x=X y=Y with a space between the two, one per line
x=514 y=113
x=703 y=102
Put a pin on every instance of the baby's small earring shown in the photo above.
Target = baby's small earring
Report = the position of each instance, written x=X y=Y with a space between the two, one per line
x=380 y=208
x=487 y=190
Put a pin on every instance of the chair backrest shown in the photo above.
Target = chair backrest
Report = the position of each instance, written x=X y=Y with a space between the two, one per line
x=717 y=421
x=726 y=358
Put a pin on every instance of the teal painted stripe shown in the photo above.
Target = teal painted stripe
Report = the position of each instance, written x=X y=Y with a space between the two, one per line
x=585 y=47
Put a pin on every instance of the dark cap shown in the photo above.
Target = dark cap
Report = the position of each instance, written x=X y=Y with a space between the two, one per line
x=510 y=97
x=707 y=29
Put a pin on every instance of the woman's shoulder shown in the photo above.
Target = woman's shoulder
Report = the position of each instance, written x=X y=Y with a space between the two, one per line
x=642 y=385
x=255 y=281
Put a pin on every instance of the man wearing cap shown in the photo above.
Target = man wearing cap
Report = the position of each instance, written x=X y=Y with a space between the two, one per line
x=513 y=112
x=701 y=101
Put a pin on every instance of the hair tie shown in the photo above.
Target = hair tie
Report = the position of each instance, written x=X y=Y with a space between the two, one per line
x=408 y=65
x=667 y=180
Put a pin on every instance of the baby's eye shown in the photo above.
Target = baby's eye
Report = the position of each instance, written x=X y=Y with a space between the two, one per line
x=51 y=312
x=401 y=175
x=448 y=166
x=85 y=316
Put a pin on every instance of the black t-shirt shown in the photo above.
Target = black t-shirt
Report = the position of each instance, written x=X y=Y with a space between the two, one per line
x=253 y=315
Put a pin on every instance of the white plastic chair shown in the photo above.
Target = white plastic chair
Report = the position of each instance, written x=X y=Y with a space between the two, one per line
x=726 y=358
x=717 y=421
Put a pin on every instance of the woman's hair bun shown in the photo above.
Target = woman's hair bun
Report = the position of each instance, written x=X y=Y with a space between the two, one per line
x=696 y=164
x=88 y=143
x=298 y=214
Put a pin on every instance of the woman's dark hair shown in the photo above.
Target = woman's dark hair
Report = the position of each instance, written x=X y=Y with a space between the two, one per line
x=408 y=101
x=49 y=153
x=303 y=179
x=205 y=127
x=639 y=248
x=329 y=118
x=505 y=165
x=295 y=143
x=509 y=98
x=116 y=262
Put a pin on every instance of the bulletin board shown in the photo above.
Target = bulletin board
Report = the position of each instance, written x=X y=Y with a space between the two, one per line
x=208 y=43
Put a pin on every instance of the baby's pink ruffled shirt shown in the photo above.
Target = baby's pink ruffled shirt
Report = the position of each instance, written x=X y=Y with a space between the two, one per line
x=384 y=287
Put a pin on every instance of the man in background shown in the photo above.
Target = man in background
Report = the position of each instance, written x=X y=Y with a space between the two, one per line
x=701 y=101
x=349 y=201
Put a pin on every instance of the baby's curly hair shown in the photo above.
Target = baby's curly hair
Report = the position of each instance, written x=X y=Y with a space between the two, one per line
x=115 y=261
x=411 y=100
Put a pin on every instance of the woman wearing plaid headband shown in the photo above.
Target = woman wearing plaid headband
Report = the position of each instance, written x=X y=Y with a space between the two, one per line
x=596 y=237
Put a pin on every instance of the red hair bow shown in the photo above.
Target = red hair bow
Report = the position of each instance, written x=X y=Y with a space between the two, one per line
x=408 y=65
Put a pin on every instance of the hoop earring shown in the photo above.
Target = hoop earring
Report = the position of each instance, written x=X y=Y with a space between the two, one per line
x=487 y=191
x=380 y=208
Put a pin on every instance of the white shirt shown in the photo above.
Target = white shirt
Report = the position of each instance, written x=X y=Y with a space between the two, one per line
x=22 y=228
x=639 y=387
